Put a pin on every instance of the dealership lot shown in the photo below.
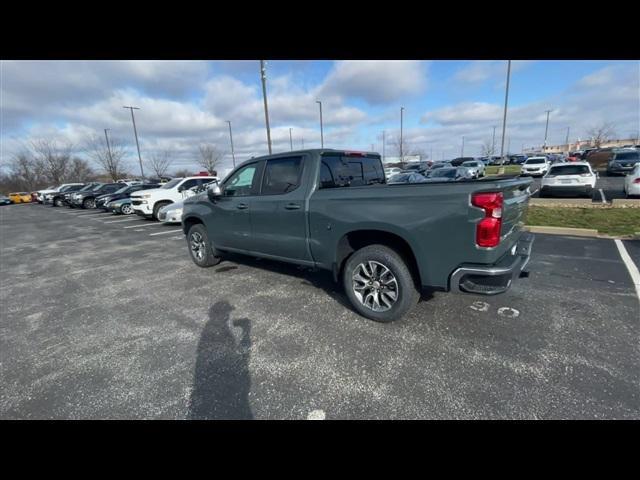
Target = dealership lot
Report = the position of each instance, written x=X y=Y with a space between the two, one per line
x=107 y=317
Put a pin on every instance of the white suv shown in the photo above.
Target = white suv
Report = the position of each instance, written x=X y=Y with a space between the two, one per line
x=574 y=178
x=147 y=203
x=41 y=193
x=535 y=166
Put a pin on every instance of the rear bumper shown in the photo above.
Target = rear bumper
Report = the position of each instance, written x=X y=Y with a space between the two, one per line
x=566 y=189
x=493 y=279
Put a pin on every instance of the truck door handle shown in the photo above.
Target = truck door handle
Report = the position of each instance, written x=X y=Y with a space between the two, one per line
x=242 y=206
x=292 y=206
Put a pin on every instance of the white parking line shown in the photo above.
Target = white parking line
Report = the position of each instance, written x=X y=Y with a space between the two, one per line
x=141 y=226
x=631 y=267
x=534 y=192
x=163 y=233
x=118 y=221
x=90 y=214
x=604 y=200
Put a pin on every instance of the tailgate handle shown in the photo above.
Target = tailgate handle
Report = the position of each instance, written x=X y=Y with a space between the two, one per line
x=242 y=206
x=292 y=206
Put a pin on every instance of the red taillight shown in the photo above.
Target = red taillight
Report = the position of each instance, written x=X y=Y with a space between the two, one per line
x=355 y=154
x=488 y=229
x=637 y=180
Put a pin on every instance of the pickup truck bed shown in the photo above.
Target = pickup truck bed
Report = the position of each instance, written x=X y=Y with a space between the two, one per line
x=326 y=218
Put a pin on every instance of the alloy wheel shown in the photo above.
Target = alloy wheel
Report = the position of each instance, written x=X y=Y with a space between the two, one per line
x=375 y=286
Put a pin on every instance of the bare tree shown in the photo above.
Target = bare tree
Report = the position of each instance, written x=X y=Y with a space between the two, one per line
x=160 y=162
x=53 y=158
x=209 y=156
x=408 y=148
x=488 y=148
x=109 y=157
x=80 y=170
x=601 y=133
x=26 y=173
x=183 y=172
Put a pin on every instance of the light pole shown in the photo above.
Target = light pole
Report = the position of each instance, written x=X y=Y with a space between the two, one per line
x=303 y=143
x=108 y=147
x=233 y=155
x=383 y=145
x=462 y=149
x=263 y=76
x=321 y=132
x=504 y=117
x=567 y=139
x=401 y=152
x=135 y=132
x=493 y=141
x=290 y=138
x=546 y=128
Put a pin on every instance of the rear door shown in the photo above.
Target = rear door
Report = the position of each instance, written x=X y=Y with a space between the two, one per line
x=278 y=217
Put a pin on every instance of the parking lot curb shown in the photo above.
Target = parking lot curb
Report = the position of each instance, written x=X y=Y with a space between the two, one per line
x=577 y=232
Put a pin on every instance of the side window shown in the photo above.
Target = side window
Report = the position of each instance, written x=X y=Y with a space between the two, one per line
x=241 y=182
x=350 y=171
x=282 y=175
x=188 y=184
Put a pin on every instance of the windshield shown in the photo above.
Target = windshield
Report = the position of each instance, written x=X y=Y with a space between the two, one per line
x=96 y=187
x=470 y=164
x=172 y=183
x=535 y=161
x=628 y=156
x=123 y=189
x=87 y=187
x=569 y=170
x=445 y=173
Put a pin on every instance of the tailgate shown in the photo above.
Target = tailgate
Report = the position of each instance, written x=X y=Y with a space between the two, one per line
x=514 y=209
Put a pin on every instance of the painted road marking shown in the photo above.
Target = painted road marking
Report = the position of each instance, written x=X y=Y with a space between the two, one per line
x=631 y=267
x=604 y=200
x=316 y=415
x=479 y=306
x=162 y=233
x=508 y=312
x=534 y=192
x=118 y=221
x=141 y=226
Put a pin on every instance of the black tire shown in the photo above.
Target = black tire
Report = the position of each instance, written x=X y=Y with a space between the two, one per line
x=89 y=203
x=157 y=207
x=57 y=202
x=407 y=293
x=198 y=234
x=588 y=193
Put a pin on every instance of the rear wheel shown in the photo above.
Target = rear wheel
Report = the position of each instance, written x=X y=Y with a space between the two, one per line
x=200 y=248
x=89 y=203
x=57 y=202
x=379 y=284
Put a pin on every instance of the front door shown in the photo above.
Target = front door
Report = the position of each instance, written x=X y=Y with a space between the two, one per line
x=230 y=225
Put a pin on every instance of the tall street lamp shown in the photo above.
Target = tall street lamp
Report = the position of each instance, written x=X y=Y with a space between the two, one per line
x=401 y=152
x=135 y=132
x=321 y=133
x=263 y=76
x=233 y=155
x=504 y=117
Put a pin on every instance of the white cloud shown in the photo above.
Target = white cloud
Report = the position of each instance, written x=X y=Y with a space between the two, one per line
x=375 y=81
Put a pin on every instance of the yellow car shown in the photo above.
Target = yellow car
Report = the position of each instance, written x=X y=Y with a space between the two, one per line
x=20 y=197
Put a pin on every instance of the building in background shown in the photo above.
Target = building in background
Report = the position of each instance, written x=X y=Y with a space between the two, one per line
x=579 y=145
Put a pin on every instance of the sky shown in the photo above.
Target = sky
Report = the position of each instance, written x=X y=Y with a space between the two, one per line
x=186 y=103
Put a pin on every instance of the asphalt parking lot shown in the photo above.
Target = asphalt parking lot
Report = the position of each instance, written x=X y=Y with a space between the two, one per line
x=107 y=317
x=607 y=188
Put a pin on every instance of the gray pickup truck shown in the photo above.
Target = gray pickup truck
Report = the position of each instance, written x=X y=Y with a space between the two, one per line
x=332 y=209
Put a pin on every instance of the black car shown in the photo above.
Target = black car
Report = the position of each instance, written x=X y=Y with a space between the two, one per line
x=87 y=198
x=416 y=168
x=456 y=162
x=622 y=162
x=57 y=199
x=124 y=192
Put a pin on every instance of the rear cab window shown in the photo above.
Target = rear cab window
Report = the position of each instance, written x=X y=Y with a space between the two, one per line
x=348 y=170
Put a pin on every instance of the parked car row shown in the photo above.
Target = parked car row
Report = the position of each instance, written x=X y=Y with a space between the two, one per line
x=152 y=200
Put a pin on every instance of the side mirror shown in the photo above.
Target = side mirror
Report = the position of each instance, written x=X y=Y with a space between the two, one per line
x=214 y=191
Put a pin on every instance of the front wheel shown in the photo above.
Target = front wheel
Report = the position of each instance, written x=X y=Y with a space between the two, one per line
x=89 y=203
x=379 y=284
x=126 y=209
x=200 y=248
x=57 y=202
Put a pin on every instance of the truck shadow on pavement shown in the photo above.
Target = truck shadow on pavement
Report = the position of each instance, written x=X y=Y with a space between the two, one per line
x=321 y=279
x=221 y=380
